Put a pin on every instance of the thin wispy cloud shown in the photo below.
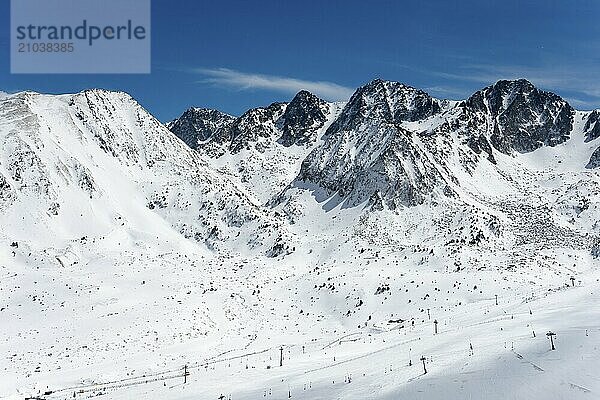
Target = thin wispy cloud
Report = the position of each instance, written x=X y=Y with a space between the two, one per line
x=249 y=81
x=580 y=104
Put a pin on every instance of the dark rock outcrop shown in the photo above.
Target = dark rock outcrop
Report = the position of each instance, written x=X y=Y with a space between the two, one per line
x=594 y=160
x=592 y=126
x=303 y=117
x=523 y=118
x=199 y=125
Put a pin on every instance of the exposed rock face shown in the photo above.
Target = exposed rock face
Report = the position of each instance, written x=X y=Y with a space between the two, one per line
x=302 y=119
x=392 y=102
x=519 y=117
x=592 y=126
x=199 y=125
x=256 y=128
x=294 y=123
x=592 y=132
x=594 y=160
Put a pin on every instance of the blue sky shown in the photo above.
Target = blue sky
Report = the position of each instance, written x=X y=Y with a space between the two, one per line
x=234 y=55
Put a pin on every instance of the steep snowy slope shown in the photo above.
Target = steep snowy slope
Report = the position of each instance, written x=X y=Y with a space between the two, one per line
x=502 y=169
x=85 y=164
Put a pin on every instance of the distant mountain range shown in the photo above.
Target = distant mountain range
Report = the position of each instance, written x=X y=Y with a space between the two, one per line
x=389 y=147
x=129 y=247
x=390 y=142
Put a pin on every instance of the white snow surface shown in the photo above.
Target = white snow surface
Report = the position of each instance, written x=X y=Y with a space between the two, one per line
x=125 y=257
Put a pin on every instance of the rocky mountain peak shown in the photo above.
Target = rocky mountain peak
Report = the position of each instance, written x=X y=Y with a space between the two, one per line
x=303 y=117
x=255 y=127
x=198 y=125
x=367 y=156
x=393 y=102
x=522 y=117
x=500 y=95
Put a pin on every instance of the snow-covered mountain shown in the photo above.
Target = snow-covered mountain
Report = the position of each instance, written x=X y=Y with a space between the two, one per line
x=397 y=144
x=367 y=155
x=264 y=147
x=98 y=156
x=333 y=234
